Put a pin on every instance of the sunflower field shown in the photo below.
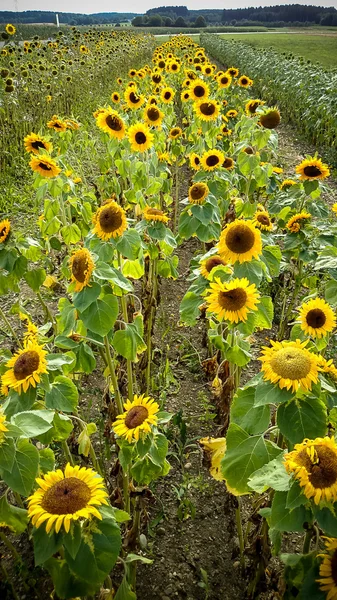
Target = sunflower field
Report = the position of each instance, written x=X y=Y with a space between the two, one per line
x=135 y=152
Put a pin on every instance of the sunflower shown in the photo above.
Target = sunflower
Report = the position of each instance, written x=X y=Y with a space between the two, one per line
x=228 y=163
x=25 y=367
x=132 y=73
x=81 y=266
x=3 y=428
x=232 y=300
x=290 y=365
x=167 y=95
x=140 y=137
x=153 y=115
x=66 y=497
x=328 y=569
x=45 y=166
x=57 y=124
x=262 y=220
x=240 y=241
x=185 y=95
x=208 y=264
x=244 y=81
x=287 y=183
x=314 y=465
x=327 y=366
x=175 y=133
x=295 y=222
x=225 y=131
x=110 y=221
x=252 y=105
x=224 y=81
x=115 y=97
x=216 y=448
x=10 y=29
x=233 y=71
x=136 y=421
x=270 y=119
x=34 y=143
x=207 y=110
x=312 y=168
x=199 y=90
x=132 y=99
x=155 y=214
x=212 y=160
x=5 y=227
x=195 y=161
x=232 y=114
x=198 y=192
x=317 y=318
x=109 y=121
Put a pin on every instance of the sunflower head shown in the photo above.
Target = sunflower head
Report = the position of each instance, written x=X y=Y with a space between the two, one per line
x=63 y=498
x=224 y=80
x=140 y=137
x=297 y=221
x=34 y=143
x=167 y=95
x=81 y=266
x=195 y=161
x=115 y=97
x=252 y=105
x=153 y=115
x=132 y=99
x=45 y=166
x=207 y=110
x=5 y=228
x=262 y=220
x=212 y=160
x=312 y=168
x=208 y=264
x=198 y=192
x=57 y=124
x=328 y=568
x=155 y=214
x=175 y=133
x=199 y=90
x=232 y=300
x=270 y=119
x=10 y=29
x=314 y=465
x=25 y=367
x=228 y=163
x=317 y=318
x=138 y=419
x=240 y=241
x=245 y=82
x=110 y=221
x=287 y=183
x=109 y=121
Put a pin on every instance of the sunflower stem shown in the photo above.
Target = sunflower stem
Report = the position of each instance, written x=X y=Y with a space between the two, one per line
x=46 y=309
x=113 y=376
x=175 y=214
x=2 y=314
x=10 y=546
x=67 y=453
x=153 y=280
x=240 y=532
x=126 y=320
x=307 y=540
x=126 y=491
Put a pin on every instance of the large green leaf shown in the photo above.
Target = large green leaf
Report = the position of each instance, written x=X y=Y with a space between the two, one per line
x=33 y=422
x=82 y=300
x=272 y=475
x=265 y=313
x=128 y=342
x=63 y=395
x=326 y=518
x=269 y=393
x=35 y=278
x=302 y=418
x=67 y=586
x=45 y=544
x=25 y=468
x=189 y=308
x=283 y=519
x=101 y=315
x=7 y=454
x=14 y=517
x=129 y=244
x=243 y=412
x=244 y=455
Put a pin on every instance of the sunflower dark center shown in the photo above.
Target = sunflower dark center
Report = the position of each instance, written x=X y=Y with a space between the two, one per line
x=312 y=171
x=263 y=219
x=66 y=497
x=199 y=91
x=44 y=166
x=161 y=64
x=57 y=125
x=207 y=109
x=174 y=67
x=134 y=98
x=136 y=416
x=212 y=160
x=233 y=299
x=249 y=150
x=167 y=95
x=253 y=106
x=155 y=212
x=322 y=468
x=175 y=132
x=291 y=363
x=110 y=219
x=212 y=262
x=153 y=114
x=227 y=163
x=140 y=137
x=244 y=81
x=198 y=191
x=38 y=144
x=3 y=231
x=240 y=239
x=114 y=123
x=334 y=567
x=79 y=268
x=26 y=364
x=156 y=78
x=316 y=318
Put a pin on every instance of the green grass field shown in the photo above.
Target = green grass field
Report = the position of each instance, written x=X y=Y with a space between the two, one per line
x=317 y=48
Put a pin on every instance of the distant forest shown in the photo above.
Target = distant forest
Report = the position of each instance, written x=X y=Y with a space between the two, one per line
x=179 y=16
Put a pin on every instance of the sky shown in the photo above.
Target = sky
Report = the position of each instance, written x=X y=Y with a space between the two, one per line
x=88 y=6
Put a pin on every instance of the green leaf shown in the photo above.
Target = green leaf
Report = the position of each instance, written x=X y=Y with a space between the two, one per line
x=7 y=454
x=33 y=423
x=21 y=478
x=268 y=393
x=302 y=418
x=71 y=234
x=56 y=361
x=63 y=395
x=331 y=292
x=272 y=475
x=129 y=244
x=265 y=313
x=82 y=300
x=244 y=455
x=47 y=460
x=86 y=361
x=158 y=449
x=249 y=417
x=283 y=519
x=14 y=517
x=72 y=539
x=124 y=591
x=35 y=278
x=272 y=257
x=127 y=342
x=133 y=269
x=239 y=354
x=101 y=315
x=189 y=308
x=326 y=519
x=45 y=544
x=252 y=270
x=295 y=496
x=67 y=586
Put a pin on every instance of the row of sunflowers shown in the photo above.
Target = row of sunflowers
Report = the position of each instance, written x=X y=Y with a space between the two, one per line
x=110 y=226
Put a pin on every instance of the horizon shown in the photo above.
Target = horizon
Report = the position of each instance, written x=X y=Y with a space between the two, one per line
x=132 y=6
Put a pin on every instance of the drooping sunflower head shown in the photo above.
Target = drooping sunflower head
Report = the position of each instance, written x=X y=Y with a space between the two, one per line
x=167 y=95
x=132 y=99
x=297 y=221
x=262 y=220
x=207 y=110
x=5 y=228
x=198 y=192
x=314 y=465
x=199 y=90
x=287 y=183
x=175 y=133
x=240 y=241
x=25 y=367
x=110 y=221
x=212 y=160
x=252 y=105
x=228 y=163
x=155 y=214
x=328 y=569
x=34 y=143
x=45 y=166
x=208 y=264
x=317 y=318
x=63 y=498
x=290 y=365
x=270 y=118
x=138 y=419
x=81 y=266
x=195 y=161
x=312 y=168
x=140 y=137
x=232 y=300
x=153 y=115
x=108 y=120
x=57 y=124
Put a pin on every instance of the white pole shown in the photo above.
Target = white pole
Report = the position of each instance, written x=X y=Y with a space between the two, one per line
x=57 y=20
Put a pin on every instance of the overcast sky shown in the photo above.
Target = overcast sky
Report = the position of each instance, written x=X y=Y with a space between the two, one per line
x=88 y=6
